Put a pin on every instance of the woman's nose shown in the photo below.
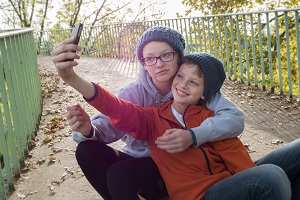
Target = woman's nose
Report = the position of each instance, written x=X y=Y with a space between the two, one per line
x=159 y=63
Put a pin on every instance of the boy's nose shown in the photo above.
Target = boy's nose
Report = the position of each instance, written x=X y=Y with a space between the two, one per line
x=184 y=84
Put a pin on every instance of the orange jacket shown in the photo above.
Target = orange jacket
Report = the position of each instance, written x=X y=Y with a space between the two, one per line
x=187 y=174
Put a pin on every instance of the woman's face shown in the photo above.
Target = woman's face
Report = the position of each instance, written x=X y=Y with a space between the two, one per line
x=161 y=72
x=188 y=85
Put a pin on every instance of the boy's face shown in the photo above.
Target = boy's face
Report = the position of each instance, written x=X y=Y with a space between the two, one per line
x=161 y=72
x=188 y=85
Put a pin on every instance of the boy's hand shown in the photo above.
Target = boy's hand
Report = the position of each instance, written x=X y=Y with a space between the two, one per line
x=174 y=140
x=78 y=119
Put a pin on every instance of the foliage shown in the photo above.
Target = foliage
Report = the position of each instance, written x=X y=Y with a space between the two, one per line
x=256 y=48
x=212 y=7
x=24 y=13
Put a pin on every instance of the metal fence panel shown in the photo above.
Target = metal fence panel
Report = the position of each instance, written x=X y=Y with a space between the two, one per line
x=20 y=103
x=258 y=48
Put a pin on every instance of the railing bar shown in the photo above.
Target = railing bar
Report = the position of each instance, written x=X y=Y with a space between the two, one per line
x=220 y=40
x=270 y=61
x=278 y=54
x=209 y=35
x=204 y=35
x=199 y=35
x=246 y=50
x=253 y=51
x=239 y=48
x=184 y=32
x=195 y=47
x=227 y=48
x=261 y=53
x=215 y=38
x=286 y=20
x=189 y=29
x=298 y=47
x=232 y=48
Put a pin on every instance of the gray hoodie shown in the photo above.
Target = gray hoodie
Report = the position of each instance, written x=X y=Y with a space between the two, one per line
x=228 y=120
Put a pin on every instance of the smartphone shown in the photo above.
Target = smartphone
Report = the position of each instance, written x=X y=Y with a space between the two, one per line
x=76 y=31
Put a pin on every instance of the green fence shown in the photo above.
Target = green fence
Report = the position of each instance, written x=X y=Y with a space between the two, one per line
x=20 y=103
x=259 y=48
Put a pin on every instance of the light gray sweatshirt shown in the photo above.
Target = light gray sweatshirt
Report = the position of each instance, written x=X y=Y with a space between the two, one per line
x=228 y=120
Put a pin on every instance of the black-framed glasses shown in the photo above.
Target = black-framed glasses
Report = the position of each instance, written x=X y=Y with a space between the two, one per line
x=166 y=57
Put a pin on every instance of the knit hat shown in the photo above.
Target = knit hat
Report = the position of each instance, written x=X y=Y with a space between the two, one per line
x=162 y=34
x=214 y=74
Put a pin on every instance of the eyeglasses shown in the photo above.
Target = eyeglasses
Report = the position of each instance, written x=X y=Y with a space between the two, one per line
x=166 y=57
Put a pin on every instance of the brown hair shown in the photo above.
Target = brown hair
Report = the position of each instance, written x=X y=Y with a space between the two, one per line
x=199 y=71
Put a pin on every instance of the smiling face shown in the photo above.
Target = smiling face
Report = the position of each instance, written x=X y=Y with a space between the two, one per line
x=187 y=86
x=162 y=73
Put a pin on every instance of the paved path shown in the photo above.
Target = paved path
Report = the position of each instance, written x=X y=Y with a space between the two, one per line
x=271 y=121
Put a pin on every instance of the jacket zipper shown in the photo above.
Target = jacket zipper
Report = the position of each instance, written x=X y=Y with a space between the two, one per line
x=207 y=161
x=204 y=153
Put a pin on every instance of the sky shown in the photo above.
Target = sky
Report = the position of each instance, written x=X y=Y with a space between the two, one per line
x=171 y=8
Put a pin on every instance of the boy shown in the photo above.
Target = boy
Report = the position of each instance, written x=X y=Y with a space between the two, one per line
x=190 y=173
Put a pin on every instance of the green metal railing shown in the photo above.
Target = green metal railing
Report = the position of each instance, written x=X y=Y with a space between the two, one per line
x=259 y=48
x=20 y=103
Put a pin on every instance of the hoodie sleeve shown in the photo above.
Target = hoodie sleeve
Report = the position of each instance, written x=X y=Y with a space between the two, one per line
x=228 y=121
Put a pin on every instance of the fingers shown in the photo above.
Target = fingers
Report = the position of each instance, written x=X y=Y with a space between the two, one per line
x=78 y=119
x=172 y=148
x=67 y=41
x=63 y=46
x=74 y=107
x=170 y=134
x=174 y=140
x=65 y=50
x=170 y=143
x=73 y=116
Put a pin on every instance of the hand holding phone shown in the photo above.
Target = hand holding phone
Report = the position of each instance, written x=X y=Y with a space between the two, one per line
x=76 y=32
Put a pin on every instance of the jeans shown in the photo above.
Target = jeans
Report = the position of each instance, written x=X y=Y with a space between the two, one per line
x=266 y=182
x=287 y=157
x=250 y=183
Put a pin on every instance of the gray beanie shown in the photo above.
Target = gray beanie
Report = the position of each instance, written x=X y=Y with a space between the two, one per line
x=214 y=74
x=163 y=34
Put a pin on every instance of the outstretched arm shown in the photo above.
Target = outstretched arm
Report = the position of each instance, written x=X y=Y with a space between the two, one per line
x=61 y=52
